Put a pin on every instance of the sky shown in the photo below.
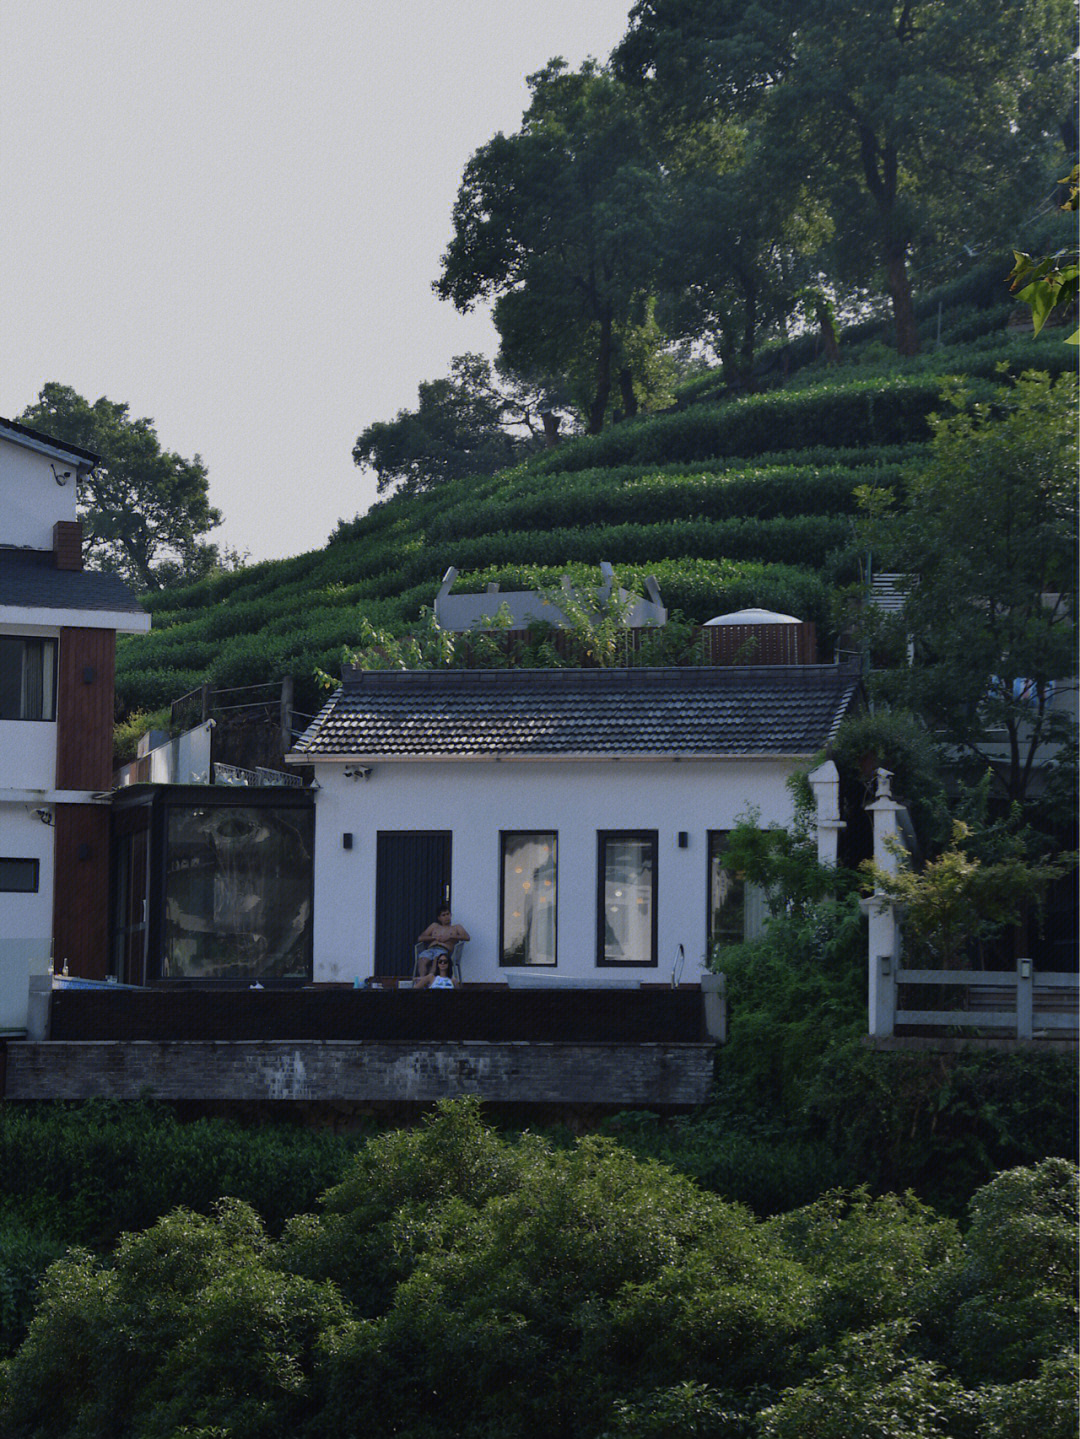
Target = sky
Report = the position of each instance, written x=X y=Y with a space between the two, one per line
x=229 y=215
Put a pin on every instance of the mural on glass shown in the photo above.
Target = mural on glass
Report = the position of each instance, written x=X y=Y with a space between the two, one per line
x=238 y=893
x=528 y=898
x=628 y=899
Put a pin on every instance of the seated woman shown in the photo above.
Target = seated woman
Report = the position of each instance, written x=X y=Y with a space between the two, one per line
x=439 y=938
x=441 y=977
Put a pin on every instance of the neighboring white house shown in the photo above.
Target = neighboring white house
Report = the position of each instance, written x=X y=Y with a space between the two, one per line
x=58 y=626
x=572 y=819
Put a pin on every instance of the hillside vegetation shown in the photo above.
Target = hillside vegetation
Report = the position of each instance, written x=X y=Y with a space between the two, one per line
x=728 y=500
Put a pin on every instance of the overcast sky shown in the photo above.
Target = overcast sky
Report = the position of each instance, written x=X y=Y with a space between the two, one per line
x=229 y=215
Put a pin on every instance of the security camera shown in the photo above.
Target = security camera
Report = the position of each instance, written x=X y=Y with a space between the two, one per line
x=358 y=771
x=44 y=815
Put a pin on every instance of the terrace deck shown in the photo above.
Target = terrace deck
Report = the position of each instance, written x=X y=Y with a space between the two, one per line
x=629 y=1048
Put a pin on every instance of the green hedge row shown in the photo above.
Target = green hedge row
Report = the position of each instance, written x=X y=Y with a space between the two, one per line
x=858 y=412
x=654 y=498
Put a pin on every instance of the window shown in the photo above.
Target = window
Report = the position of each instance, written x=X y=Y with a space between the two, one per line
x=736 y=909
x=626 y=902
x=19 y=876
x=237 y=893
x=527 y=927
x=27 y=678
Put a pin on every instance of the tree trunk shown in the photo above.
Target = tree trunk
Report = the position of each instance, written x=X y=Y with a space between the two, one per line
x=828 y=336
x=598 y=408
x=907 y=331
x=551 y=422
x=626 y=390
x=749 y=334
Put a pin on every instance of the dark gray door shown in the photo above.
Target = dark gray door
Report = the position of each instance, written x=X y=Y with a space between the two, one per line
x=412 y=883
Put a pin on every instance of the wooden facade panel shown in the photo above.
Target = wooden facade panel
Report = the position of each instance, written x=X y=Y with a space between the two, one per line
x=81 y=894
x=634 y=1076
x=84 y=709
x=764 y=644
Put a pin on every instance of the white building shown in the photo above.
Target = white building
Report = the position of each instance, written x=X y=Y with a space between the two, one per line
x=58 y=626
x=572 y=819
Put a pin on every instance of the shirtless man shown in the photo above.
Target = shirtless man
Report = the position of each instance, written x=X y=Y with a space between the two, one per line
x=438 y=938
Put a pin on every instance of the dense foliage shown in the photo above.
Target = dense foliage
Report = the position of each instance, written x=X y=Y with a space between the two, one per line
x=991 y=620
x=458 y=1283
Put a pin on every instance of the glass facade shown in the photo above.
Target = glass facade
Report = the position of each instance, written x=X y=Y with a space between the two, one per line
x=237 y=893
x=529 y=888
x=27 y=678
x=627 y=898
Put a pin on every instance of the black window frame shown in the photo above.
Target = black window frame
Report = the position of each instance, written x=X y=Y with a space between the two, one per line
x=35 y=871
x=48 y=716
x=504 y=835
x=652 y=837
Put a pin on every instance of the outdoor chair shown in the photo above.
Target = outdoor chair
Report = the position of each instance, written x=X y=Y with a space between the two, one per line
x=455 y=959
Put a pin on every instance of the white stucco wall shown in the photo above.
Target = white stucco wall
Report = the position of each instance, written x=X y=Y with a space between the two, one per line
x=477 y=800
x=27 y=754
x=23 y=836
x=31 y=501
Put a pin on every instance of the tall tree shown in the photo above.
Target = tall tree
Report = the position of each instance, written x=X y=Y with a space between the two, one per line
x=988 y=534
x=739 y=240
x=560 y=225
x=144 y=510
x=901 y=110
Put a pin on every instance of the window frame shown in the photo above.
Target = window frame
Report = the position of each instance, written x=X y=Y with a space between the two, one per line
x=35 y=871
x=50 y=673
x=504 y=835
x=652 y=837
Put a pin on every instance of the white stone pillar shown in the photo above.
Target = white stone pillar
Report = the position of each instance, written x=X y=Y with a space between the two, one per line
x=825 y=783
x=884 y=935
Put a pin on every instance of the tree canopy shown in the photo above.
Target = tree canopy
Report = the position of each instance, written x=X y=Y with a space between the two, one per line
x=988 y=535
x=898 y=112
x=469 y=423
x=145 y=510
x=560 y=224
x=459 y=1283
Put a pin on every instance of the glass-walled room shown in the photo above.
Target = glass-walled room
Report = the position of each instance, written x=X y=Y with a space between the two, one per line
x=212 y=885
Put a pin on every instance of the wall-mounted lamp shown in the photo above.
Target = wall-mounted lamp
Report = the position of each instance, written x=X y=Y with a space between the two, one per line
x=60 y=476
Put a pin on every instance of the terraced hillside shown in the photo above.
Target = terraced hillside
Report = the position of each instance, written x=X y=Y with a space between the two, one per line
x=728 y=501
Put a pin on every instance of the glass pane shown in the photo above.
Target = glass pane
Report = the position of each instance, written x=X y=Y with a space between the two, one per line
x=48 y=680
x=11 y=677
x=727 y=897
x=18 y=876
x=27 y=667
x=238 y=893
x=628 y=900
x=529 y=886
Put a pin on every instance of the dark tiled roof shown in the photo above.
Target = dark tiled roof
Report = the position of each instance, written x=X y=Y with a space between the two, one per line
x=14 y=431
x=783 y=709
x=29 y=578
